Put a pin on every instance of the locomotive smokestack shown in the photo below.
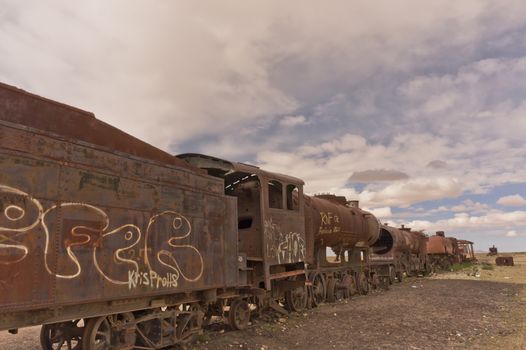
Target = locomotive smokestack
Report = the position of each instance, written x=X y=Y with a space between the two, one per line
x=440 y=233
x=354 y=204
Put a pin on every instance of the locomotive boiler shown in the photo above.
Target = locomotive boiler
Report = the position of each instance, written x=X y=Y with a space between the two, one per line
x=399 y=251
x=334 y=224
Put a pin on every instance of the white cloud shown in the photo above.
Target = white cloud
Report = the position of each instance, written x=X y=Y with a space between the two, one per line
x=495 y=219
x=466 y=206
x=511 y=233
x=473 y=166
x=347 y=142
x=164 y=72
x=326 y=168
x=293 y=120
x=412 y=191
x=378 y=175
x=381 y=213
x=515 y=200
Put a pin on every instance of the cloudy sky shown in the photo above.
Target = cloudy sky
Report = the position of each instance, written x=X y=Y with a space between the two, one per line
x=416 y=108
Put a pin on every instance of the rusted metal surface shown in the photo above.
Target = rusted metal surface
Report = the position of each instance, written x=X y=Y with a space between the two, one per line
x=437 y=244
x=20 y=107
x=415 y=240
x=444 y=251
x=281 y=229
x=504 y=261
x=401 y=248
x=335 y=224
x=452 y=248
x=271 y=219
x=79 y=224
x=400 y=240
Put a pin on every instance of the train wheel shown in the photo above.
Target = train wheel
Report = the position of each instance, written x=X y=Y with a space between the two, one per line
x=375 y=281
x=385 y=282
x=354 y=285
x=296 y=299
x=346 y=283
x=97 y=334
x=127 y=335
x=64 y=335
x=189 y=324
x=331 y=290
x=319 y=289
x=399 y=276
x=408 y=270
x=149 y=332
x=239 y=314
x=392 y=275
x=427 y=269
x=363 y=285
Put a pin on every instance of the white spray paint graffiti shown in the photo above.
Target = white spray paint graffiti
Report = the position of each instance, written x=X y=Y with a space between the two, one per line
x=13 y=230
x=285 y=248
x=127 y=265
x=152 y=279
x=291 y=248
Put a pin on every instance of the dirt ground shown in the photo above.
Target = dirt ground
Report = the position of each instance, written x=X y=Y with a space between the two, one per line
x=474 y=308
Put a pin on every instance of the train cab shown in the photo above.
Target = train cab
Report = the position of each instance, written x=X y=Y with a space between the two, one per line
x=271 y=220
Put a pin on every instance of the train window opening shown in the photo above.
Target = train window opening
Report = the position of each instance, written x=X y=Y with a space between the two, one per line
x=244 y=223
x=275 y=194
x=293 y=198
x=335 y=255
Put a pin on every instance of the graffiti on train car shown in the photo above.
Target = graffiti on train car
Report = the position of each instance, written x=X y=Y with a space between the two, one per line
x=291 y=248
x=285 y=247
x=152 y=279
x=330 y=223
x=122 y=255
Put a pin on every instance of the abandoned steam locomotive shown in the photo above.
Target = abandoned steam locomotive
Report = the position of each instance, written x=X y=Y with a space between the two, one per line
x=109 y=242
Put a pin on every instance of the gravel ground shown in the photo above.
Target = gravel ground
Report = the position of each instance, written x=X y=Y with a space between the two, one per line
x=419 y=314
x=452 y=311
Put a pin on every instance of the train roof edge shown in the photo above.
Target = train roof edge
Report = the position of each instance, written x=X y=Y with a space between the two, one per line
x=224 y=167
x=18 y=106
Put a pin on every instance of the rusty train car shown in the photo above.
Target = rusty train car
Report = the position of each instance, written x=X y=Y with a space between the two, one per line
x=445 y=251
x=400 y=251
x=111 y=243
x=285 y=233
x=403 y=252
x=333 y=222
x=98 y=226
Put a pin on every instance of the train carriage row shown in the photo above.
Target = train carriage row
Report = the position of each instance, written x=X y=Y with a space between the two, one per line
x=110 y=242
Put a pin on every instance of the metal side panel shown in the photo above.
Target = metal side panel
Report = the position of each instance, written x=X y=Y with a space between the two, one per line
x=75 y=234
